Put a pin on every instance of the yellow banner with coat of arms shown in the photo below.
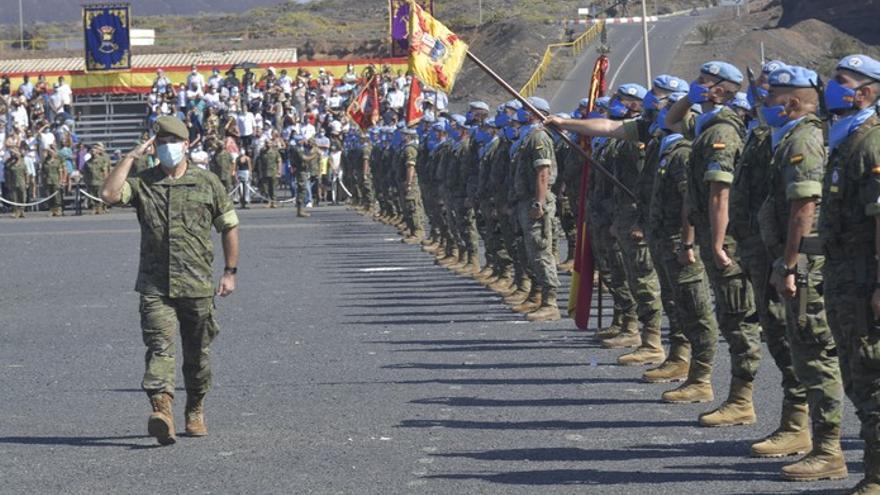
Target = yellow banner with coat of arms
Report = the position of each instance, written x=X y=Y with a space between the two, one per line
x=435 y=53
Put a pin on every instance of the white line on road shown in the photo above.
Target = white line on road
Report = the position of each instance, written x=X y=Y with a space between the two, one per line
x=628 y=55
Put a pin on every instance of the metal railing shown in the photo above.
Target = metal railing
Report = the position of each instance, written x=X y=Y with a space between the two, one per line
x=576 y=46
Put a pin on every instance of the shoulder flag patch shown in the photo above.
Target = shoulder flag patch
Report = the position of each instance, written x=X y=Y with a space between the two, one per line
x=795 y=159
x=719 y=146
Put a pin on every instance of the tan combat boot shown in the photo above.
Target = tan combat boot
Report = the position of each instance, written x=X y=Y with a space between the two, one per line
x=674 y=369
x=824 y=462
x=531 y=303
x=649 y=352
x=549 y=310
x=462 y=261
x=195 y=415
x=450 y=258
x=522 y=292
x=302 y=213
x=738 y=409
x=161 y=422
x=791 y=438
x=485 y=273
x=472 y=267
x=414 y=239
x=504 y=281
x=696 y=389
x=618 y=322
x=628 y=337
x=514 y=286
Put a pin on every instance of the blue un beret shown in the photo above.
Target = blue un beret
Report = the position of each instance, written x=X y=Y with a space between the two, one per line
x=741 y=100
x=793 y=76
x=479 y=105
x=772 y=65
x=632 y=90
x=513 y=104
x=540 y=103
x=722 y=70
x=585 y=102
x=674 y=97
x=602 y=102
x=670 y=83
x=459 y=119
x=861 y=64
x=490 y=122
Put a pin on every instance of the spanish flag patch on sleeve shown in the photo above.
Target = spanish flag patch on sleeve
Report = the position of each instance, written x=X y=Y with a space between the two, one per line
x=719 y=146
x=795 y=159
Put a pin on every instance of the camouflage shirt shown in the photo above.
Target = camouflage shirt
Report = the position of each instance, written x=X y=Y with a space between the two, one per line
x=798 y=167
x=176 y=216
x=97 y=169
x=536 y=151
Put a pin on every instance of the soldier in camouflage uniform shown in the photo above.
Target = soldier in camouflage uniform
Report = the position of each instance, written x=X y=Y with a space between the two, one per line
x=304 y=159
x=535 y=174
x=54 y=175
x=415 y=228
x=223 y=166
x=361 y=155
x=681 y=265
x=270 y=170
x=716 y=148
x=460 y=181
x=849 y=226
x=97 y=169
x=177 y=205
x=490 y=151
x=787 y=218
x=16 y=178
x=748 y=192
x=498 y=184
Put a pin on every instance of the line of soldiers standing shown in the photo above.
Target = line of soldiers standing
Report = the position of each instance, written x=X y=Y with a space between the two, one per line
x=455 y=180
x=725 y=233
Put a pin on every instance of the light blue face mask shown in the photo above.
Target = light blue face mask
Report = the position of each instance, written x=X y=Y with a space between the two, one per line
x=170 y=154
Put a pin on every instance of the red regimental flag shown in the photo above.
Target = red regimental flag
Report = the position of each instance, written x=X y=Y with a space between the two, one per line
x=414 y=111
x=581 y=295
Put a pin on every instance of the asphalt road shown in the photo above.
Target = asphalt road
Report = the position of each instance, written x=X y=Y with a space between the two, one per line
x=627 y=58
x=347 y=363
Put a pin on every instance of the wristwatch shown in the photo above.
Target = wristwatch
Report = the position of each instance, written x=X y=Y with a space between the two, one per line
x=231 y=270
x=782 y=270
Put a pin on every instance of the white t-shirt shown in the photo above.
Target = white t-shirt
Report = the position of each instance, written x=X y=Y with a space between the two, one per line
x=195 y=79
x=307 y=131
x=66 y=93
x=246 y=124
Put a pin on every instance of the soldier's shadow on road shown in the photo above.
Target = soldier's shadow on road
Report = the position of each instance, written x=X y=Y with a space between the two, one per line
x=83 y=441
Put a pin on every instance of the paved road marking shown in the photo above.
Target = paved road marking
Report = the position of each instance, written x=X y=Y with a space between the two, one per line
x=383 y=269
x=628 y=55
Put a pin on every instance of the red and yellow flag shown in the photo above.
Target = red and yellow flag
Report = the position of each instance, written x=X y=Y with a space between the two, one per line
x=580 y=297
x=414 y=111
x=435 y=53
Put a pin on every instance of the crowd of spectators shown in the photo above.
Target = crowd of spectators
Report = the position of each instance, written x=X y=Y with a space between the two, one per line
x=235 y=111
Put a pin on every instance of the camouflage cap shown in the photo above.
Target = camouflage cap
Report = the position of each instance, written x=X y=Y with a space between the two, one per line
x=170 y=126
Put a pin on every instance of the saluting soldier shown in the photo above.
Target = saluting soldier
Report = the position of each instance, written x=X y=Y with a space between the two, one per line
x=97 y=169
x=54 y=175
x=177 y=205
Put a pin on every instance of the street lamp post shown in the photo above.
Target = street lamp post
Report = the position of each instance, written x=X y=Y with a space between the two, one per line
x=20 y=26
x=647 y=48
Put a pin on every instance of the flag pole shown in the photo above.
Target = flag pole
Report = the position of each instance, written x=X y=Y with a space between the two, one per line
x=531 y=108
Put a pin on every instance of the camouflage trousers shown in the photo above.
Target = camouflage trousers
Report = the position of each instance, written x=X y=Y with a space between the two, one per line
x=690 y=288
x=58 y=200
x=413 y=214
x=160 y=317
x=612 y=272
x=466 y=225
x=771 y=313
x=365 y=185
x=302 y=182
x=668 y=301
x=269 y=186
x=813 y=352
x=641 y=277
x=508 y=225
x=734 y=308
x=491 y=232
x=849 y=283
x=538 y=237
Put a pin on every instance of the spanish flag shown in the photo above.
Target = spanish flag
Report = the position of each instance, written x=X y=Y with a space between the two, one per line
x=435 y=52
